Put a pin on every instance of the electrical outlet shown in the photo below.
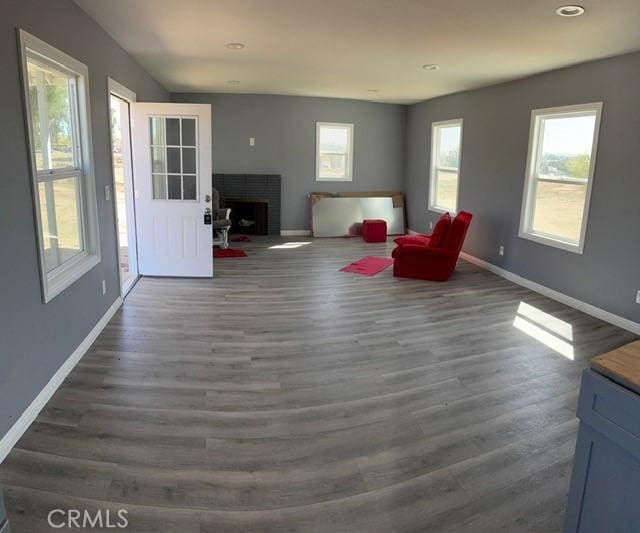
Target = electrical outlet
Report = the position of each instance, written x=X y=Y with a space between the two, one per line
x=638 y=297
x=104 y=287
x=252 y=141
x=430 y=225
x=501 y=251
x=107 y=193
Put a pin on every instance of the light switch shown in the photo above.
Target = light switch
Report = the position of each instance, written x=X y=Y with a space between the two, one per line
x=107 y=193
x=252 y=141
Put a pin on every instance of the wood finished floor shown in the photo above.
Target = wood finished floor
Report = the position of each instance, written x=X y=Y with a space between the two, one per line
x=286 y=396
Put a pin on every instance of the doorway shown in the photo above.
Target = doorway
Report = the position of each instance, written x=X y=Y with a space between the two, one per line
x=120 y=99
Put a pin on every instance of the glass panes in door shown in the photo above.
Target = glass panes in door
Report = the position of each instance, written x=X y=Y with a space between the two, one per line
x=174 y=157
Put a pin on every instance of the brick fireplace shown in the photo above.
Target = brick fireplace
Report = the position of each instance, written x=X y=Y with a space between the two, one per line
x=252 y=197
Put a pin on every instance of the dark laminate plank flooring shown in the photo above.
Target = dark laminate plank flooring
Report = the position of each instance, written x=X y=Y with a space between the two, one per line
x=287 y=396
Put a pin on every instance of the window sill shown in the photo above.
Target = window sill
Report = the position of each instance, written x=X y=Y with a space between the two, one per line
x=442 y=210
x=333 y=179
x=554 y=243
x=57 y=283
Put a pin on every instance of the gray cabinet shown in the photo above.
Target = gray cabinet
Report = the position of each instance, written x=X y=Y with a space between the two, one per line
x=604 y=496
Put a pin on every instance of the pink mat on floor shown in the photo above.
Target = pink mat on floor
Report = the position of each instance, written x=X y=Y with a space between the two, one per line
x=368 y=266
x=219 y=253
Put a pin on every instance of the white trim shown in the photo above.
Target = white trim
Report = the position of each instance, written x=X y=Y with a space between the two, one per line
x=21 y=425
x=53 y=283
x=349 y=155
x=295 y=232
x=533 y=157
x=114 y=87
x=435 y=149
x=586 y=308
x=128 y=285
x=441 y=210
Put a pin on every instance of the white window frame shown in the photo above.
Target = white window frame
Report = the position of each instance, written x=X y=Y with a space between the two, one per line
x=535 y=147
x=349 y=155
x=433 y=168
x=61 y=277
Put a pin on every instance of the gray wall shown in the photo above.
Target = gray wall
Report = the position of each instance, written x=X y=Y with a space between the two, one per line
x=37 y=338
x=494 y=152
x=284 y=128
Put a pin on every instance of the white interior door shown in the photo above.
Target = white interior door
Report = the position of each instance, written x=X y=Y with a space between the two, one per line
x=172 y=165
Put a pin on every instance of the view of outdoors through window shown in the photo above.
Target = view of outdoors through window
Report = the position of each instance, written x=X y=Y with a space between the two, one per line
x=51 y=100
x=561 y=175
x=333 y=151
x=447 y=167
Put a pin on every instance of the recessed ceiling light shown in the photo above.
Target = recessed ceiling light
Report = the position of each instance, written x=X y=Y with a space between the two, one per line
x=235 y=46
x=233 y=82
x=570 y=11
x=431 y=66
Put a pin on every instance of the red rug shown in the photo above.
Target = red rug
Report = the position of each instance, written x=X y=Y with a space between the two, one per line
x=368 y=266
x=239 y=238
x=219 y=253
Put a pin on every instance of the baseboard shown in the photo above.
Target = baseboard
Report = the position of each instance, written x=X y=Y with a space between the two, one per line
x=589 y=309
x=26 y=419
x=295 y=232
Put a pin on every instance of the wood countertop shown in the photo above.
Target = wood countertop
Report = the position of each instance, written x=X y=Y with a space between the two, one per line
x=621 y=365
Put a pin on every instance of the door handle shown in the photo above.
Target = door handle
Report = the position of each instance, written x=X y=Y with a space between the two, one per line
x=207 y=198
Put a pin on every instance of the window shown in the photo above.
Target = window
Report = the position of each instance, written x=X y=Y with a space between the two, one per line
x=446 y=138
x=57 y=115
x=334 y=151
x=173 y=158
x=562 y=156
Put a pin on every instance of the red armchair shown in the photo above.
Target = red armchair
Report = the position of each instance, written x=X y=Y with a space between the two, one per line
x=435 y=263
x=434 y=240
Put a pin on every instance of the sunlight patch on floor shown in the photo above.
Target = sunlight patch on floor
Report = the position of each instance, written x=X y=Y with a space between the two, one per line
x=289 y=245
x=550 y=322
x=545 y=328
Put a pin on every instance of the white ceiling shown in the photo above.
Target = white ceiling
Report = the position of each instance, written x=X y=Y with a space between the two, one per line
x=343 y=48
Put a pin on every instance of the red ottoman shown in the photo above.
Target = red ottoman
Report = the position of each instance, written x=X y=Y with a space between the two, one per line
x=374 y=230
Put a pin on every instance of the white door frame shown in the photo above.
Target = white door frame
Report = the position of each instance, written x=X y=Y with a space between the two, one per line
x=117 y=89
